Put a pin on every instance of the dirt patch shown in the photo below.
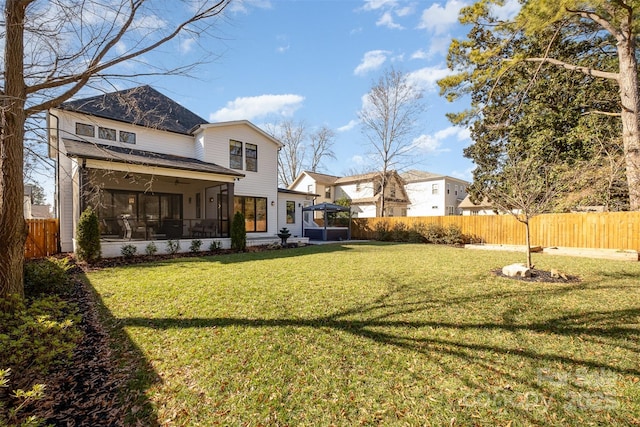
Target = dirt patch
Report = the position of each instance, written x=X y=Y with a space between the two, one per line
x=541 y=276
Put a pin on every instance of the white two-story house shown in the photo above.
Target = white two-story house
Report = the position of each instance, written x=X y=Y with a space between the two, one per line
x=432 y=194
x=153 y=170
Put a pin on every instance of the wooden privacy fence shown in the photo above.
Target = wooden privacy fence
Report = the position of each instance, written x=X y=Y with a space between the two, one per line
x=608 y=230
x=42 y=240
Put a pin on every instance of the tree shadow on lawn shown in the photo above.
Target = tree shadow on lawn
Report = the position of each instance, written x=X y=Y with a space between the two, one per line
x=381 y=321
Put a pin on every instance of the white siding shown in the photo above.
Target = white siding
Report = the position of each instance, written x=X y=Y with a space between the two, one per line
x=296 y=227
x=425 y=203
x=305 y=184
x=264 y=182
x=146 y=139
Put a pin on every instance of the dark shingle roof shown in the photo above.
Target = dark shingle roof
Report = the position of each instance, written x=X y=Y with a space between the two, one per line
x=88 y=150
x=142 y=106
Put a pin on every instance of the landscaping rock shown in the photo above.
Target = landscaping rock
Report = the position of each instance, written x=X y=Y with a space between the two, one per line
x=516 y=270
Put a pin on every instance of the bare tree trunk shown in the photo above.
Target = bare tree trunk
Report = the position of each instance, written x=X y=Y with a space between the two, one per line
x=528 y=242
x=13 y=231
x=630 y=100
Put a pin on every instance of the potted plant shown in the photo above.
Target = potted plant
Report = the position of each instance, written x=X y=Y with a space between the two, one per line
x=284 y=234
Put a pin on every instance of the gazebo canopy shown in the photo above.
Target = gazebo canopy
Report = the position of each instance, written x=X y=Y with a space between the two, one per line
x=327 y=207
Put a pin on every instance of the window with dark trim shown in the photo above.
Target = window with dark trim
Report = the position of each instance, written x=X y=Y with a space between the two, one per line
x=107 y=133
x=235 y=154
x=327 y=192
x=254 y=210
x=251 y=157
x=291 y=212
x=84 y=129
x=127 y=137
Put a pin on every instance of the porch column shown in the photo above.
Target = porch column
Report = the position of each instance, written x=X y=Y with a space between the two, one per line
x=230 y=212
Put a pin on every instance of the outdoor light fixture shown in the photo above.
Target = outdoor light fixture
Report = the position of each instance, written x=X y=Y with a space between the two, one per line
x=273 y=203
x=211 y=199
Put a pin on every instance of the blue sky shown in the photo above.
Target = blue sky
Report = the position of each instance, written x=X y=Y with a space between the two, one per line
x=314 y=60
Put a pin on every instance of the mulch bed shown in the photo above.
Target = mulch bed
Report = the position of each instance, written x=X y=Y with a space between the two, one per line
x=540 y=276
x=86 y=392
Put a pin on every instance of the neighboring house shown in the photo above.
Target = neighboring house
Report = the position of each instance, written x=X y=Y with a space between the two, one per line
x=154 y=170
x=434 y=195
x=482 y=208
x=32 y=211
x=318 y=183
x=362 y=191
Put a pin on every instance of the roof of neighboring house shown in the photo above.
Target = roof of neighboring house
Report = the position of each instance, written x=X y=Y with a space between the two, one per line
x=319 y=178
x=363 y=177
x=41 y=211
x=88 y=150
x=419 y=176
x=322 y=178
x=142 y=106
x=300 y=193
x=466 y=203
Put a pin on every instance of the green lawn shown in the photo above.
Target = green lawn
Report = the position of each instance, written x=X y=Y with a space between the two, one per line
x=376 y=334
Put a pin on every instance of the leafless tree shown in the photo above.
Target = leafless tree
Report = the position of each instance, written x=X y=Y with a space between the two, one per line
x=300 y=152
x=52 y=50
x=527 y=187
x=389 y=117
x=321 y=143
x=292 y=154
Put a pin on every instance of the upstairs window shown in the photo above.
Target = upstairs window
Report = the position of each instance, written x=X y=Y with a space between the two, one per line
x=251 y=154
x=235 y=154
x=392 y=191
x=327 y=192
x=434 y=188
x=84 y=129
x=127 y=137
x=107 y=133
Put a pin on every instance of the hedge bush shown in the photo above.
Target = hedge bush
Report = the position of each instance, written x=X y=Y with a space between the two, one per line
x=47 y=277
x=88 y=237
x=238 y=232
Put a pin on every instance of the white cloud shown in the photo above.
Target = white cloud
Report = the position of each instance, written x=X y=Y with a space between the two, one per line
x=358 y=160
x=420 y=54
x=426 y=78
x=371 y=60
x=507 y=11
x=186 y=45
x=250 y=107
x=352 y=124
x=386 y=20
x=243 y=6
x=432 y=144
x=379 y=4
x=439 y=19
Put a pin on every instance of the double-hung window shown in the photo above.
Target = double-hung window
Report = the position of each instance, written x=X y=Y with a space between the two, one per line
x=235 y=154
x=251 y=156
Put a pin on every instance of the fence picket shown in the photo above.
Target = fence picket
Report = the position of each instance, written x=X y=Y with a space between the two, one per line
x=607 y=230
